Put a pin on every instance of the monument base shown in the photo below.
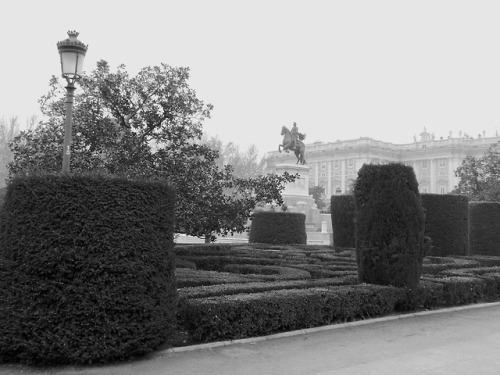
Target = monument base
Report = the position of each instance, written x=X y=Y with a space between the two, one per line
x=297 y=199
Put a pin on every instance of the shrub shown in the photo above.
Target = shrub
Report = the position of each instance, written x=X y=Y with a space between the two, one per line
x=268 y=272
x=254 y=287
x=187 y=277
x=246 y=315
x=485 y=260
x=434 y=265
x=278 y=228
x=342 y=213
x=484 y=228
x=461 y=290
x=447 y=223
x=389 y=225
x=86 y=269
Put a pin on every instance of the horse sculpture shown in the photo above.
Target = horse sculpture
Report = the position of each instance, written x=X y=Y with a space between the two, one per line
x=298 y=148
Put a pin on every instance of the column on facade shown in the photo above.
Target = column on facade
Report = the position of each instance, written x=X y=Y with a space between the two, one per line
x=316 y=174
x=453 y=164
x=432 y=177
x=342 y=174
x=329 y=179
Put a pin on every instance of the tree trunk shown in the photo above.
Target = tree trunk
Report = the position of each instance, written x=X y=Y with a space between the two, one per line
x=208 y=237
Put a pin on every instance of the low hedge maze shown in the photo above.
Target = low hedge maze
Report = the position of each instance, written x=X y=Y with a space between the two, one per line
x=265 y=289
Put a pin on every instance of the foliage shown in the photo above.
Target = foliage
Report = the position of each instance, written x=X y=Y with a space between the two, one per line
x=146 y=126
x=480 y=176
x=8 y=130
x=484 y=235
x=263 y=313
x=86 y=269
x=245 y=164
x=342 y=214
x=318 y=193
x=389 y=225
x=447 y=223
x=221 y=305
x=278 y=228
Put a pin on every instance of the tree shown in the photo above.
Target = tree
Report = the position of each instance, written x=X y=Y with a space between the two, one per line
x=147 y=126
x=480 y=176
x=245 y=165
x=8 y=130
x=318 y=193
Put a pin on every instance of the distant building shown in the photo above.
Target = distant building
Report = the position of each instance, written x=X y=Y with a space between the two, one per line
x=334 y=165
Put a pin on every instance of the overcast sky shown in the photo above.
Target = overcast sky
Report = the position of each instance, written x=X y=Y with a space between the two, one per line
x=340 y=69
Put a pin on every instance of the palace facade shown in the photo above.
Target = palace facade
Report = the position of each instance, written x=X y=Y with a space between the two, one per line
x=334 y=165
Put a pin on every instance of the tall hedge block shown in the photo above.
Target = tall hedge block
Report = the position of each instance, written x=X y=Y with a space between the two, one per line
x=342 y=214
x=278 y=228
x=86 y=269
x=484 y=229
x=389 y=225
x=447 y=223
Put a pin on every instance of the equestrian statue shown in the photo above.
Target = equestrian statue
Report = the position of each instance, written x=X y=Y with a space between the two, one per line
x=292 y=141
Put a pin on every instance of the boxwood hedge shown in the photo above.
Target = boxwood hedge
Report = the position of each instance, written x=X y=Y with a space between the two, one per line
x=86 y=269
x=278 y=228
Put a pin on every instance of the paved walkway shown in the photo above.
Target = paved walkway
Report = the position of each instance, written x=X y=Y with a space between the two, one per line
x=464 y=340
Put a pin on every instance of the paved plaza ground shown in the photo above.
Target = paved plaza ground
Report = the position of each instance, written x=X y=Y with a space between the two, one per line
x=459 y=341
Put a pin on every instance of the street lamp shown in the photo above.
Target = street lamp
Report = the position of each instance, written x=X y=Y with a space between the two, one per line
x=72 y=53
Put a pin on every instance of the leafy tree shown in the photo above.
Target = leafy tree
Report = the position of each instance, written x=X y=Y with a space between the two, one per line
x=318 y=193
x=8 y=130
x=480 y=176
x=146 y=126
x=245 y=164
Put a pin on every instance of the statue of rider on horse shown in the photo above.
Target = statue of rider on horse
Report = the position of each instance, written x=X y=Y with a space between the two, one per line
x=292 y=141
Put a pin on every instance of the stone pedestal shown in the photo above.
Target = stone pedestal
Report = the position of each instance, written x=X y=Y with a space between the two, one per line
x=300 y=187
x=296 y=197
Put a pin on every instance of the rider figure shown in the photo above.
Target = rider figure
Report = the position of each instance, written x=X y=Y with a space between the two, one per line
x=295 y=135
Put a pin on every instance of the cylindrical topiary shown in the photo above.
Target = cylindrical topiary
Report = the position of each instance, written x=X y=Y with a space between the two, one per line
x=447 y=223
x=342 y=213
x=86 y=269
x=278 y=228
x=484 y=228
x=389 y=225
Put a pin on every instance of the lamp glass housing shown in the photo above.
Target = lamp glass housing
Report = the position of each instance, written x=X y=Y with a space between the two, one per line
x=72 y=53
x=72 y=63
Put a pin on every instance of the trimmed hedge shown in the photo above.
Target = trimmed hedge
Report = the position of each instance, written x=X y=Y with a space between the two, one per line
x=268 y=272
x=461 y=290
x=447 y=223
x=342 y=213
x=434 y=265
x=484 y=232
x=389 y=225
x=86 y=269
x=247 y=315
x=187 y=277
x=236 y=316
x=278 y=228
x=246 y=306
x=229 y=289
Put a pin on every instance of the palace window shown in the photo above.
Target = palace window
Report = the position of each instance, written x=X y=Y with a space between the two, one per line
x=442 y=163
x=337 y=164
x=351 y=163
x=424 y=164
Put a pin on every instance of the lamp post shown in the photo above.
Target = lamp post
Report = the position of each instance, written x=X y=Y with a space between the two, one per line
x=72 y=53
